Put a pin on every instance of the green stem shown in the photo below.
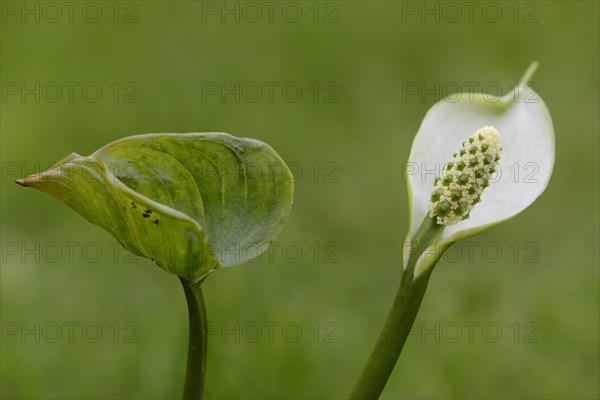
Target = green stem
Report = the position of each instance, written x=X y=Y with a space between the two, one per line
x=196 y=363
x=400 y=319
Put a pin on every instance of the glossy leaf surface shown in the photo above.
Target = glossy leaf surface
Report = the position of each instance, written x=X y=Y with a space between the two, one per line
x=192 y=202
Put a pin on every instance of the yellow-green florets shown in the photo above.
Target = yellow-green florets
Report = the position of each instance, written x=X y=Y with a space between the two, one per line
x=462 y=181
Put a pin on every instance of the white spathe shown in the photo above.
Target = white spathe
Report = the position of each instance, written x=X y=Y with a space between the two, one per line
x=524 y=170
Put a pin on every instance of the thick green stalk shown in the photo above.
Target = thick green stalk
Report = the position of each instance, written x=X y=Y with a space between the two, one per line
x=196 y=363
x=400 y=319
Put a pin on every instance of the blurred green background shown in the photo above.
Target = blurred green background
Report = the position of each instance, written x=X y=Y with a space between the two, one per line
x=83 y=320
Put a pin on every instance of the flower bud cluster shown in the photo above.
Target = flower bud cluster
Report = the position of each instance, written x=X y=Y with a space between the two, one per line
x=463 y=180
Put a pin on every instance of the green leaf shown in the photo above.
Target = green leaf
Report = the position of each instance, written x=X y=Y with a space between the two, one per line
x=192 y=202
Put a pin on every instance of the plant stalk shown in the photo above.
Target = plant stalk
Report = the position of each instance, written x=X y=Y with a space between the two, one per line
x=197 y=345
x=400 y=320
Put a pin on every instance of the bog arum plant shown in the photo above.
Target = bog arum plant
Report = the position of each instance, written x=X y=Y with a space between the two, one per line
x=480 y=141
x=198 y=202
x=193 y=203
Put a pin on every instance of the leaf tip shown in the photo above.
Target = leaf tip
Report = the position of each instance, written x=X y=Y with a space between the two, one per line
x=29 y=181
x=508 y=98
x=529 y=73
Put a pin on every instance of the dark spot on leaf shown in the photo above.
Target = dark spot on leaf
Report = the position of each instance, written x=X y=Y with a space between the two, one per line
x=133 y=205
x=155 y=221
